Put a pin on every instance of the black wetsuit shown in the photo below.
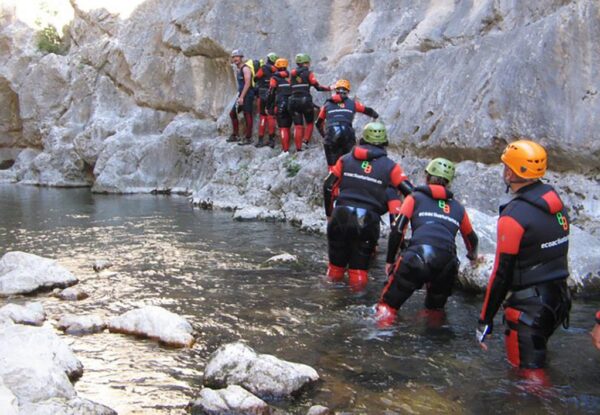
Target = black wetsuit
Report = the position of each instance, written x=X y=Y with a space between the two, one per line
x=531 y=263
x=435 y=218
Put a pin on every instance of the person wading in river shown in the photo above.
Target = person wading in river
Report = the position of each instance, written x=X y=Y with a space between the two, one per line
x=430 y=258
x=368 y=183
x=531 y=262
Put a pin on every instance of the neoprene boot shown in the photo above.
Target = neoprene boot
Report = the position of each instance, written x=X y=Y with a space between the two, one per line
x=335 y=273
x=357 y=279
x=259 y=143
x=271 y=142
x=385 y=315
x=232 y=138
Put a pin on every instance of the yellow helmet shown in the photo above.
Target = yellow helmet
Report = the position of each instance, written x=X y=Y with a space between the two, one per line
x=342 y=83
x=281 y=63
x=526 y=159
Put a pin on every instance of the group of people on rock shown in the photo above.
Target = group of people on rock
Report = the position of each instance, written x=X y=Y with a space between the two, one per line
x=284 y=98
x=530 y=271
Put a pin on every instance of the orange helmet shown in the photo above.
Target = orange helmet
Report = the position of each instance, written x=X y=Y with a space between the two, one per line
x=526 y=159
x=342 y=83
x=281 y=63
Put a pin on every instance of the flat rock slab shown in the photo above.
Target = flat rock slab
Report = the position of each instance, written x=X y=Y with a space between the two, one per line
x=233 y=400
x=31 y=313
x=73 y=406
x=264 y=375
x=23 y=273
x=36 y=364
x=78 y=325
x=155 y=323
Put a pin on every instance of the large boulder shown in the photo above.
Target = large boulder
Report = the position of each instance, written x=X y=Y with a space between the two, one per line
x=23 y=273
x=87 y=324
x=36 y=364
x=264 y=375
x=155 y=323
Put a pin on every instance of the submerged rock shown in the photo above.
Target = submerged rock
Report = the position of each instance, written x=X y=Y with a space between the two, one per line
x=72 y=324
x=31 y=313
x=101 y=264
x=233 y=400
x=262 y=374
x=72 y=294
x=319 y=410
x=155 y=323
x=36 y=364
x=284 y=258
x=23 y=273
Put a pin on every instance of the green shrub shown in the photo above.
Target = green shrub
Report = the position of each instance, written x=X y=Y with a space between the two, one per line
x=292 y=167
x=49 y=41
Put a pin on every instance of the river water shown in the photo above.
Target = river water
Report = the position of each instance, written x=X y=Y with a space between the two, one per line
x=209 y=268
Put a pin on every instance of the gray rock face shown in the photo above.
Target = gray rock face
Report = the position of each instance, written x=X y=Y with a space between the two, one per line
x=233 y=400
x=88 y=324
x=23 y=273
x=263 y=375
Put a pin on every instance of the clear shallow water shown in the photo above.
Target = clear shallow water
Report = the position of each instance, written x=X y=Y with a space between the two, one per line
x=209 y=268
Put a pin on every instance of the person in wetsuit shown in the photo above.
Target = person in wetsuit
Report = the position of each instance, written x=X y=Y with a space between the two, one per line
x=435 y=218
x=531 y=262
x=277 y=102
x=338 y=111
x=245 y=99
x=366 y=183
x=301 y=104
x=263 y=78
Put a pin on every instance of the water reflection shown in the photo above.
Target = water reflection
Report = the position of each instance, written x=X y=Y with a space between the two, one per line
x=210 y=269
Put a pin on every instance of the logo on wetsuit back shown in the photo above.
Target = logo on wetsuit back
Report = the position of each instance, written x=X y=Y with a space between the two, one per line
x=562 y=221
x=444 y=206
x=298 y=79
x=342 y=105
x=366 y=166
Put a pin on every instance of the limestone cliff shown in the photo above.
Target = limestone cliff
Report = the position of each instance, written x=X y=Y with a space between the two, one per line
x=140 y=104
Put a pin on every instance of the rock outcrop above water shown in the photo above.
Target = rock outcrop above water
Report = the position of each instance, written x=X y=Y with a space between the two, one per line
x=87 y=324
x=36 y=373
x=232 y=400
x=23 y=273
x=264 y=375
x=31 y=313
x=140 y=104
x=155 y=323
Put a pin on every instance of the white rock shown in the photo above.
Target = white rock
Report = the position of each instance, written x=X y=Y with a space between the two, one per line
x=74 y=406
x=101 y=264
x=31 y=313
x=284 y=258
x=23 y=273
x=233 y=400
x=319 y=410
x=73 y=324
x=263 y=375
x=36 y=364
x=72 y=294
x=8 y=401
x=155 y=323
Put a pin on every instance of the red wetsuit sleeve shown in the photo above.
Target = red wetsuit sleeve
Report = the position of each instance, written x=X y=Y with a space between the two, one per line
x=259 y=74
x=322 y=113
x=312 y=80
x=397 y=175
x=469 y=236
x=359 y=107
x=510 y=233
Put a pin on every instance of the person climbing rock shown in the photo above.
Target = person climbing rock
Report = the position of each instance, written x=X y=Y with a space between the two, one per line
x=338 y=113
x=430 y=258
x=362 y=186
x=301 y=104
x=531 y=262
x=245 y=99
x=277 y=102
x=263 y=78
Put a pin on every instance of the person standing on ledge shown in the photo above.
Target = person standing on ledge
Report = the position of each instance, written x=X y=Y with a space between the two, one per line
x=245 y=99
x=531 y=263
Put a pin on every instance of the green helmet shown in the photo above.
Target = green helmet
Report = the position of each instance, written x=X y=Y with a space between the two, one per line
x=302 y=58
x=374 y=133
x=441 y=167
x=272 y=57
